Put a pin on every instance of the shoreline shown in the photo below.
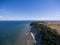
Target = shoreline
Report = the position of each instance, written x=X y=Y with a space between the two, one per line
x=27 y=38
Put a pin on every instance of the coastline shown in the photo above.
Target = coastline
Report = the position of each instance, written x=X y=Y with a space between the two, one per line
x=27 y=37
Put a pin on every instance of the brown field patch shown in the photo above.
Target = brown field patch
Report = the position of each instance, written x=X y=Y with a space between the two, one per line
x=54 y=25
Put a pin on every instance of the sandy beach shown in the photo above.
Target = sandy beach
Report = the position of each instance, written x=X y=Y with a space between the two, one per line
x=27 y=37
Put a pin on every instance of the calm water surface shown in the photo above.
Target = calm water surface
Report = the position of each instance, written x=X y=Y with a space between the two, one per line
x=10 y=32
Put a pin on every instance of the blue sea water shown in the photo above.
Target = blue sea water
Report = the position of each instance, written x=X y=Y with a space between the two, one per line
x=10 y=31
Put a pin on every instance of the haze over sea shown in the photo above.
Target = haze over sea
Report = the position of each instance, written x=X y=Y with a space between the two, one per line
x=10 y=32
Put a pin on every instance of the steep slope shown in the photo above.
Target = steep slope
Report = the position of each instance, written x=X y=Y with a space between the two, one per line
x=48 y=35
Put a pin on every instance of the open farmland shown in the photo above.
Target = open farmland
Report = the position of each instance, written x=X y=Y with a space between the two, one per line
x=54 y=25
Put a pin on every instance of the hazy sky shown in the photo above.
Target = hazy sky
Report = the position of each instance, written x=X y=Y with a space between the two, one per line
x=29 y=10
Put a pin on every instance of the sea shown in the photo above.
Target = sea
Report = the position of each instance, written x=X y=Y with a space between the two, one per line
x=11 y=31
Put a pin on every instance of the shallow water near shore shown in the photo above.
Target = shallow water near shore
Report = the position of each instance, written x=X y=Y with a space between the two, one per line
x=10 y=31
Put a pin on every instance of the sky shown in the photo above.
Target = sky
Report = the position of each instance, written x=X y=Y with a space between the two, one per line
x=29 y=10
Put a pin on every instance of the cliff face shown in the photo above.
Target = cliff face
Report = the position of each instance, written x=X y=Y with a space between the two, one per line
x=37 y=35
x=44 y=35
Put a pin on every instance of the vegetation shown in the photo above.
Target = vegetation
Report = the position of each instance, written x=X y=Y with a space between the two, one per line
x=49 y=36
